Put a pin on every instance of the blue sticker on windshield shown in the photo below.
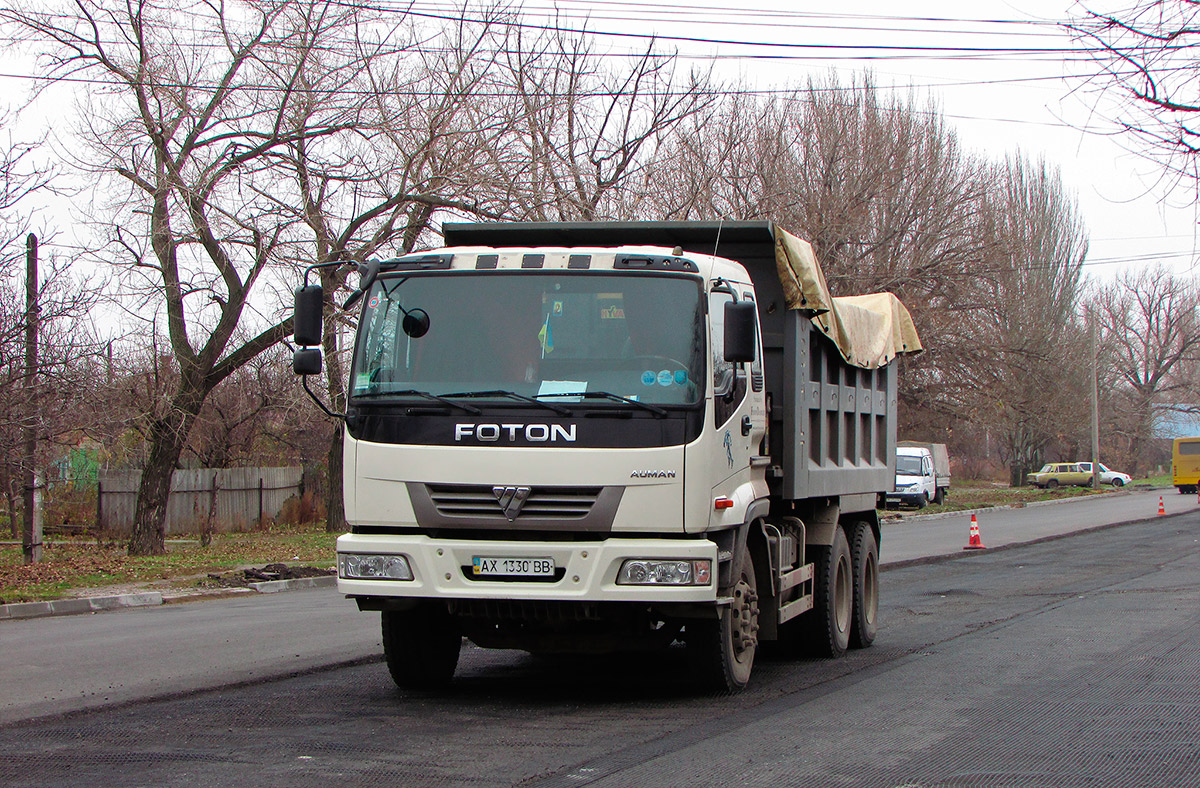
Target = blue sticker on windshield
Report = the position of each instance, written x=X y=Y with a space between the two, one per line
x=648 y=378
x=681 y=376
x=374 y=302
x=665 y=377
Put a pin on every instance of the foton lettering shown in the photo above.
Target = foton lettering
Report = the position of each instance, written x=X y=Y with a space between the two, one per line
x=532 y=433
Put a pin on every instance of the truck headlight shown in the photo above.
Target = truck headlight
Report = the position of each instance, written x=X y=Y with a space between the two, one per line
x=639 y=572
x=358 y=566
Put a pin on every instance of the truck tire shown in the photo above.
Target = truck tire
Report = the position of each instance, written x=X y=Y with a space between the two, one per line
x=721 y=651
x=827 y=626
x=940 y=497
x=420 y=646
x=864 y=561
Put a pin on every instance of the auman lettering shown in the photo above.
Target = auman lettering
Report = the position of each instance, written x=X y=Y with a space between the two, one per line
x=652 y=475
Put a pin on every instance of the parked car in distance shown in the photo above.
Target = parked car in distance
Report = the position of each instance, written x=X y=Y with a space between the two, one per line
x=922 y=474
x=1079 y=474
x=1108 y=476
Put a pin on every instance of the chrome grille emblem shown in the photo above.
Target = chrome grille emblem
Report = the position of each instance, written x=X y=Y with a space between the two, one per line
x=511 y=499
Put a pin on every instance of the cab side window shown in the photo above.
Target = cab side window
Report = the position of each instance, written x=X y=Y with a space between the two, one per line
x=726 y=375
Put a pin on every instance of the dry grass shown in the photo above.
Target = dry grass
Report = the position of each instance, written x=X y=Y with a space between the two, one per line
x=79 y=563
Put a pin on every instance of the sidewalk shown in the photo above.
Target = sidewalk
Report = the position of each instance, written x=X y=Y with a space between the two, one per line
x=921 y=538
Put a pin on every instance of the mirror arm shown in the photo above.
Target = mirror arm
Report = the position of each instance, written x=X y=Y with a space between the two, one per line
x=316 y=266
x=321 y=405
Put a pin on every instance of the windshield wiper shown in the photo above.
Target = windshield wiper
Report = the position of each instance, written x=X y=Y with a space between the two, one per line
x=425 y=394
x=513 y=395
x=608 y=395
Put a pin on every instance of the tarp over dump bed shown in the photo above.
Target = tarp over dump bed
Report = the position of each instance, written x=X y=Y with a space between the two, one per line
x=869 y=330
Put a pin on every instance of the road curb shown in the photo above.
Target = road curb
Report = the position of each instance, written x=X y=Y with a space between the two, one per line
x=275 y=586
x=70 y=607
x=97 y=604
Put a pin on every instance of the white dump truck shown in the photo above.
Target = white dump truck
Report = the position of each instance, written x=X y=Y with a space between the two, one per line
x=610 y=436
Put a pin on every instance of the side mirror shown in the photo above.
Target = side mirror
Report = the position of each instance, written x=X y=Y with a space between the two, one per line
x=741 y=319
x=307 y=361
x=310 y=303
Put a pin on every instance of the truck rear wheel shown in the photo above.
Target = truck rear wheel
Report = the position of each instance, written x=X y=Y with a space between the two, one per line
x=420 y=646
x=864 y=559
x=827 y=625
x=721 y=651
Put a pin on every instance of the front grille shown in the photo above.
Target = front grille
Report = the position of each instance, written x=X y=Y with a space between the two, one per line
x=444 y=507
x=543 y=503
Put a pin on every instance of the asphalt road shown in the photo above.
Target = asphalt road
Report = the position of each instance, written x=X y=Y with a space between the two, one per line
x=1068 y=662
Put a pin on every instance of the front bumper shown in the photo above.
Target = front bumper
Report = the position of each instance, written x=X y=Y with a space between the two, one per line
x=908 y=498
x=587 y=571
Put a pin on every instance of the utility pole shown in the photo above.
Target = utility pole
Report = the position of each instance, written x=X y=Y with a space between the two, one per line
x=1095 y=405
x=31 y=544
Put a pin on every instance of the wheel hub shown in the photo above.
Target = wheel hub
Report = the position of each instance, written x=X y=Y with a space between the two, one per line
x=745 y=617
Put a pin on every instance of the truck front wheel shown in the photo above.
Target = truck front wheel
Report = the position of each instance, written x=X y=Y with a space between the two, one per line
x=721 y=651
x=420 y=646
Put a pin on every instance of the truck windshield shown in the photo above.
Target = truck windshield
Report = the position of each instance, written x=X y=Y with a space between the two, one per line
x=544 y=334
x=908 y=465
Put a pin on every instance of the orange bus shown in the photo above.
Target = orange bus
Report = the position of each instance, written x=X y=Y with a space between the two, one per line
x=1185 y=465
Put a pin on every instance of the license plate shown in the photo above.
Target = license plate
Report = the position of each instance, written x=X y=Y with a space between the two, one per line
x=522 y=567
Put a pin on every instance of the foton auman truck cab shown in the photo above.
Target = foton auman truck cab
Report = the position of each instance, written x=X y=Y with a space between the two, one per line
x=612 y=436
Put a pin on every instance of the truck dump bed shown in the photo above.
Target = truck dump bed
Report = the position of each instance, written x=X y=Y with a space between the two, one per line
x=832 y=426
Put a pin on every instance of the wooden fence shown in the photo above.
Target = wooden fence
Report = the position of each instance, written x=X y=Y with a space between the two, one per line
x=236 y=499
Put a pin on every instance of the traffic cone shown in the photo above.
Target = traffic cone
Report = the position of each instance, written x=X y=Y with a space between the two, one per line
x=976 y=542
x=1161 y=510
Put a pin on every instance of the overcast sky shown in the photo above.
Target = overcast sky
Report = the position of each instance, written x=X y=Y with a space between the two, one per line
x=1002 y=72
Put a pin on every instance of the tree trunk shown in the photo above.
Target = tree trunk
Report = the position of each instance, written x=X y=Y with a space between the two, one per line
x=167 y=438
x=335 y=505
x=335 y=509
x=10 y=502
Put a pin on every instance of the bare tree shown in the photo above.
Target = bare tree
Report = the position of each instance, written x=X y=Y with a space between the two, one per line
x=1147 y=77
x=1027 y=373
x=734 y=160
x=63 y=335
x=1150 y=329
x=588 y=131
x=192 y=121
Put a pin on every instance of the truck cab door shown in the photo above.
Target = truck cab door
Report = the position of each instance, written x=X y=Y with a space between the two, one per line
x=738 y=421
